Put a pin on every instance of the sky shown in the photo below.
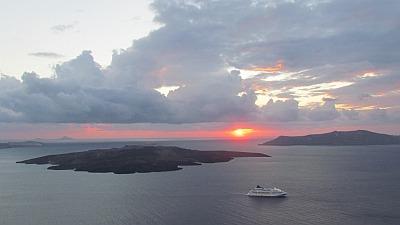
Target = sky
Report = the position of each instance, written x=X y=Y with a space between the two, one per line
x=198 y=69
x=38 y=35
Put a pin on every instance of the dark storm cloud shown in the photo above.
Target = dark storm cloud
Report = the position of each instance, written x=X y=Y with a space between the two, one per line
x=324 y=44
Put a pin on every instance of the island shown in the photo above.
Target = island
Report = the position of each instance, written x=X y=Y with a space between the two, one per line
x=136 y=159
x=337 y=138
x=56 y=140
x=21 y=144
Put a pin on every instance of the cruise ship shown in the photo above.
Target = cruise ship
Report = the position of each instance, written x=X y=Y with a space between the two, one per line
x=266 y=192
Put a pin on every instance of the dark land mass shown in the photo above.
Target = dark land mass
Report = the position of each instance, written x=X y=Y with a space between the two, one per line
x=136 y=159
x=337 y=138
x=20 y=144
x=61 y=139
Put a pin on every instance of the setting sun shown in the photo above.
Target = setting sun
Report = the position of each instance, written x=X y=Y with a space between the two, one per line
x=242 y=132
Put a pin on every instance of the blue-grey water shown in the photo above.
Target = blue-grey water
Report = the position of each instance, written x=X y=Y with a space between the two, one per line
x=326 y=185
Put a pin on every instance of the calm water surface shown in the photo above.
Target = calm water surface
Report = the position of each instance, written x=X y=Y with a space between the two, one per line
x=326 y=185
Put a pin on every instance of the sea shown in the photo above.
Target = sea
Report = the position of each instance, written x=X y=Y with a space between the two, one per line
x=357 y=185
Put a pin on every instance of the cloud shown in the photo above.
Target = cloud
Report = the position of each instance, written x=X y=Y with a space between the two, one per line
x=63 y=27
x=279 y=110
x=327 y=111
x=308 y=58
x=351 y=114
x=46 y=55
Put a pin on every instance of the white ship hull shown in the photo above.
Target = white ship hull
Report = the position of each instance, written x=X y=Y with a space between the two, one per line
x=271 y=195
x=266 y=192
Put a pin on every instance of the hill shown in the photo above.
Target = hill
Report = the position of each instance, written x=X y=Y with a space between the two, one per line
x=358 y=137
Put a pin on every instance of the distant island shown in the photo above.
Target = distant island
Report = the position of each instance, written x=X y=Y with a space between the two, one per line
x=55 y=140
x=136 y=159
x=20 y=144
x=337 y=138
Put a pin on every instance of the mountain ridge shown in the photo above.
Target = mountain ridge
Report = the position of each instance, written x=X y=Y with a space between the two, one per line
x=337 y=138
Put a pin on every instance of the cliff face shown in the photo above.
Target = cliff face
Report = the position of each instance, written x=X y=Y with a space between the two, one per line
x=136 y=158
x=359 y=137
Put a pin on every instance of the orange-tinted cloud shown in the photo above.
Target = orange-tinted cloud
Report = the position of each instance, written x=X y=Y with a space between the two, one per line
x=269 y=69
x=108 y=131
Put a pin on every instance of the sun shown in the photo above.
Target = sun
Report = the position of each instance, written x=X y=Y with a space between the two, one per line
x=242 y=132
